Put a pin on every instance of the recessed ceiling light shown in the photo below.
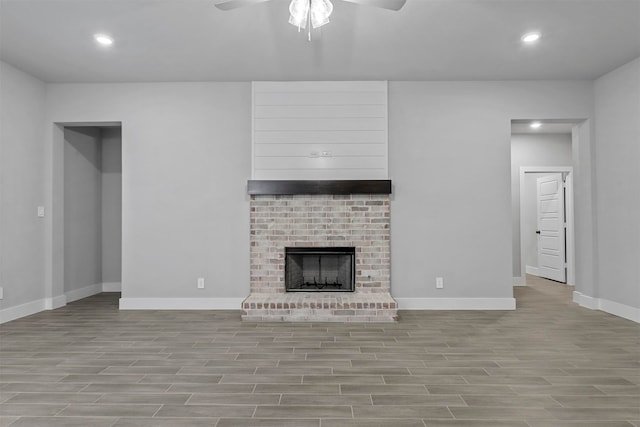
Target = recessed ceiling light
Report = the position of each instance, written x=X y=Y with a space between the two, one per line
x=530 y=38
x=103 y=39
x=535 y=125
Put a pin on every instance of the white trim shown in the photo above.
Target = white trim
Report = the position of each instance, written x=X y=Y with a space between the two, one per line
x=532 y=270
x=456 y=303
x=181 y=303
x=585 y=300
x=620 y=310
x=570 y=227
x=83 y=292
x=22 y=310
x=608 y=306
x=32 y=307
x=55 y=302
x=519 y=281
x=569 y=203
x=253 y=129
x=386 y=126
x=112 y=287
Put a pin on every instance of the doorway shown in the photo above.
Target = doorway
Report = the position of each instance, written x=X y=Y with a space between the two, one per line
x=541 y=151
x=91 y=209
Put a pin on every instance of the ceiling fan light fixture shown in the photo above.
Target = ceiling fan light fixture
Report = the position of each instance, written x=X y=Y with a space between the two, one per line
x=299 y=10
x=316 y=12
x=320 y=12
x=307 y=14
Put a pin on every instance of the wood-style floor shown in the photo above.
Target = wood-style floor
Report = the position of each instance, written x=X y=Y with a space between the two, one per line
x=549 y=363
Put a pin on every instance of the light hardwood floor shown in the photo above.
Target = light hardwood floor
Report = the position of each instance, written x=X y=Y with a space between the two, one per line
x=549 y=363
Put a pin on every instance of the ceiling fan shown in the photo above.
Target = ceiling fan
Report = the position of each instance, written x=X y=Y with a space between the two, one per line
x=314 y=13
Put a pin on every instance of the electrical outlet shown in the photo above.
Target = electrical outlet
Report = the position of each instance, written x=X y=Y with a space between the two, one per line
x=1 y=292
x=439 y=282
x=200 y=282
x=41 y=211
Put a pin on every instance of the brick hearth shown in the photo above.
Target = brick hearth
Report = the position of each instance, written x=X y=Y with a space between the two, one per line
x=357 y=220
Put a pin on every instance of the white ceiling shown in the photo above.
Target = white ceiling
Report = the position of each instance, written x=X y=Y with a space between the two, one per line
x=191 y=40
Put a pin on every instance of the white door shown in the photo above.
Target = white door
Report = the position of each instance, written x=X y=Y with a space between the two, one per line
x=551 y=226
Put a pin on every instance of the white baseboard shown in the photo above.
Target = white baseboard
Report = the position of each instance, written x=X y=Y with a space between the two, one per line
x=532 y=270
x=520 y=281
x=22 y=310
x=32 y=307
x=55 y=302
x=620 y=310
x=84 y=292
x=456 y=303
x=181 y=303
x=611 y=307
x=111 y=287
x=585 y=301
x=90 y=290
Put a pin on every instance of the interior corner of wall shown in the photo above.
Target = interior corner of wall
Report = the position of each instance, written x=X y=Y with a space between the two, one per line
x=519 y=281
x=55 y=302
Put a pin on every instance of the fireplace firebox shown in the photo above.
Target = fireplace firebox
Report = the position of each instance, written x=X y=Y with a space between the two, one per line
x=320 y=269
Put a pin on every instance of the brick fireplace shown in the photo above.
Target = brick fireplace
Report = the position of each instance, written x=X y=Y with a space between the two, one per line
x=360 y=221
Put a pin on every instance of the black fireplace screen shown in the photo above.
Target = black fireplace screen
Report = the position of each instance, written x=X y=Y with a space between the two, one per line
x=330 y=269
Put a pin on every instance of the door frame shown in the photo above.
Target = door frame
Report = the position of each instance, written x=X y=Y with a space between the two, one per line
x=567 y=171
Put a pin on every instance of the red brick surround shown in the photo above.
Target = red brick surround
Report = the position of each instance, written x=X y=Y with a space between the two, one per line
x=361 y=221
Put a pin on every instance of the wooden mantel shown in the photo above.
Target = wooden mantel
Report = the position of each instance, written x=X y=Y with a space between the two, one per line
x=288 y=187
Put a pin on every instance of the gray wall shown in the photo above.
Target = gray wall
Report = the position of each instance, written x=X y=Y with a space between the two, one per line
x=186 y=157
x=111 y=204
x=22 y=165
x=82 y=208
x=533 y=150
x=185 y=211
x=450 y=164
x=617 y=129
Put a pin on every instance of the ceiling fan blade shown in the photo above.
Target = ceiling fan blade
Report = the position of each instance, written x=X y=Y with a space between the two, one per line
x=384 y=4
x=235 y=4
